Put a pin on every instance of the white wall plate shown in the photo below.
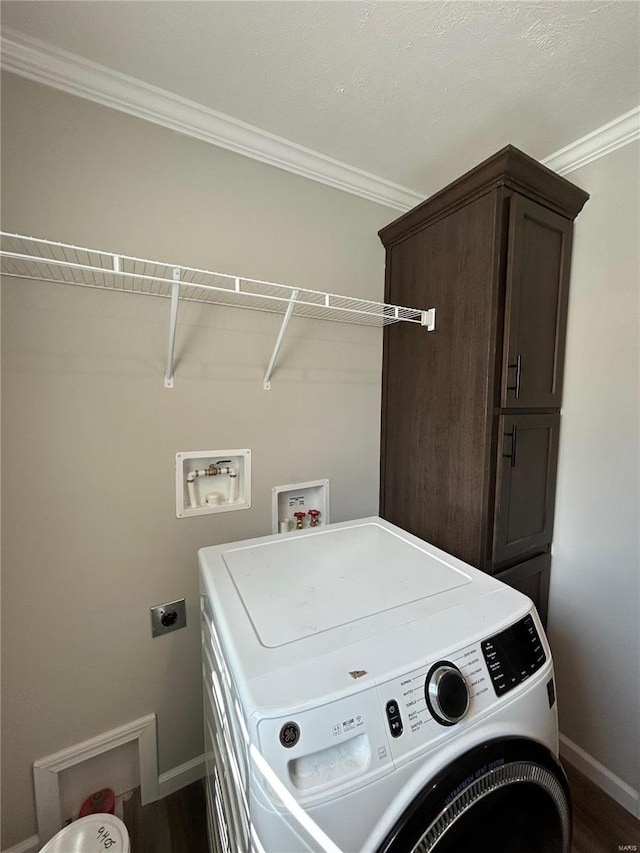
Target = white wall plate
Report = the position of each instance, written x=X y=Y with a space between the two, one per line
x=209 y=481
x=299 y=497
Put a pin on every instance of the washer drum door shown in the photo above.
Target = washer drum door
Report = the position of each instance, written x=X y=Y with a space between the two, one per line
x=507 y=796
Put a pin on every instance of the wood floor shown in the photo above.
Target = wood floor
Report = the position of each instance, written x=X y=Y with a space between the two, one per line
x=600 y=825
x=177 y=824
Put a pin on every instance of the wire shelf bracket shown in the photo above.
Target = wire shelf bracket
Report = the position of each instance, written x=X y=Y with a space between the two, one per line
x=266 y=384
x=62 y=263
x=173 y=322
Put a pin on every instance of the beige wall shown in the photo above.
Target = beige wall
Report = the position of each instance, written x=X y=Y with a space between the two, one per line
x=89 y=433
x=595 y=602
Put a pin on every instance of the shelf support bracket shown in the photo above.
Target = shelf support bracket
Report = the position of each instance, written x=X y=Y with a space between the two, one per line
x=429 y=319
x=283 y=328
x=173 y=320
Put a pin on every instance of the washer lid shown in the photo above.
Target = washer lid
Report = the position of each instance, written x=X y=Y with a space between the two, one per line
x=301 y=584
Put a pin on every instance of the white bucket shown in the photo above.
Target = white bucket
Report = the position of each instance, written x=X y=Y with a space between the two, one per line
x=96 y=833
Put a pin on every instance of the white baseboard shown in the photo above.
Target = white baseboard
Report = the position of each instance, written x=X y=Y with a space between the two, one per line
x=180 y=777
x=29 y=845
x=607 y=781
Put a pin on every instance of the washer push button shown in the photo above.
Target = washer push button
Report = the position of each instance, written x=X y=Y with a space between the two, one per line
x=394 y=719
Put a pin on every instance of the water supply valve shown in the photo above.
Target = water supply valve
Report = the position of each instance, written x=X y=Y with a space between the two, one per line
x=299 y=516
x=314 y=515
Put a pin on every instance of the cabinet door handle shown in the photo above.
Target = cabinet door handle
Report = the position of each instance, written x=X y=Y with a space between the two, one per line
x=518 y=369
x=514 y=439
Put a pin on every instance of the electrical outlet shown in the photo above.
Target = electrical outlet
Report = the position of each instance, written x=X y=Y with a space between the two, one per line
x=168 y=617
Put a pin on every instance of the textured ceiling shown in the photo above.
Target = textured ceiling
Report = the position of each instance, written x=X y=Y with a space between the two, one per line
x=411 y=92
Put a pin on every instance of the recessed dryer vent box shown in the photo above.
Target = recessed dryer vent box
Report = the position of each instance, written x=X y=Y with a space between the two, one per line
x=209 y=481
x=299 y=497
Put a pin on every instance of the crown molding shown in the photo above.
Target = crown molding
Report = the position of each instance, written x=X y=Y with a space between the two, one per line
x=621 y=131
x=44 y=63
x=36 y=60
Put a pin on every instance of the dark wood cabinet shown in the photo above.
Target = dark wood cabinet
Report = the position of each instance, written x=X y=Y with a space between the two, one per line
x=537 y=290
x=525 y=485
x=470 y=417
x=532 y=578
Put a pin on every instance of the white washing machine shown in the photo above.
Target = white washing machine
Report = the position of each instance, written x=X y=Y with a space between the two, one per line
x=365 y=691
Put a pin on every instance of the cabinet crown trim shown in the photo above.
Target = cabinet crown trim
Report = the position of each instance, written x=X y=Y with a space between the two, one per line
x=508 y=167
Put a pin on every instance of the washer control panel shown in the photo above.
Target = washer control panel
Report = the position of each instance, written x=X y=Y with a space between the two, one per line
x=513 y=655
x=421 y=704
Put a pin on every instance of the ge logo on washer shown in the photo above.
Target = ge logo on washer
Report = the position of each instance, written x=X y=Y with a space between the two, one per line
x=289 y=735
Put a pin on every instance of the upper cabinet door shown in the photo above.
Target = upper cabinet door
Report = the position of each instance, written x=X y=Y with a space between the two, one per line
x=538 y=263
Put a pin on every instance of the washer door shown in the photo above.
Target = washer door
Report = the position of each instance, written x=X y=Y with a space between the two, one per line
x=506 y=796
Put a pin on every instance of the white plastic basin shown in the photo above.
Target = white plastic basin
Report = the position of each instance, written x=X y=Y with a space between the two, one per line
x=96 y=833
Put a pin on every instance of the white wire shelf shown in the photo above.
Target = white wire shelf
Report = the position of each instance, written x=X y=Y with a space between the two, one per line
x=44 y=260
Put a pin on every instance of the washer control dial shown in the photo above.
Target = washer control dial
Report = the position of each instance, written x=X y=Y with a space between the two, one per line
x=446 y=693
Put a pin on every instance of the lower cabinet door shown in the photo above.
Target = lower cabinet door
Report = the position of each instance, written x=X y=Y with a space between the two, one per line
x=532 y=579
x=525 y=484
